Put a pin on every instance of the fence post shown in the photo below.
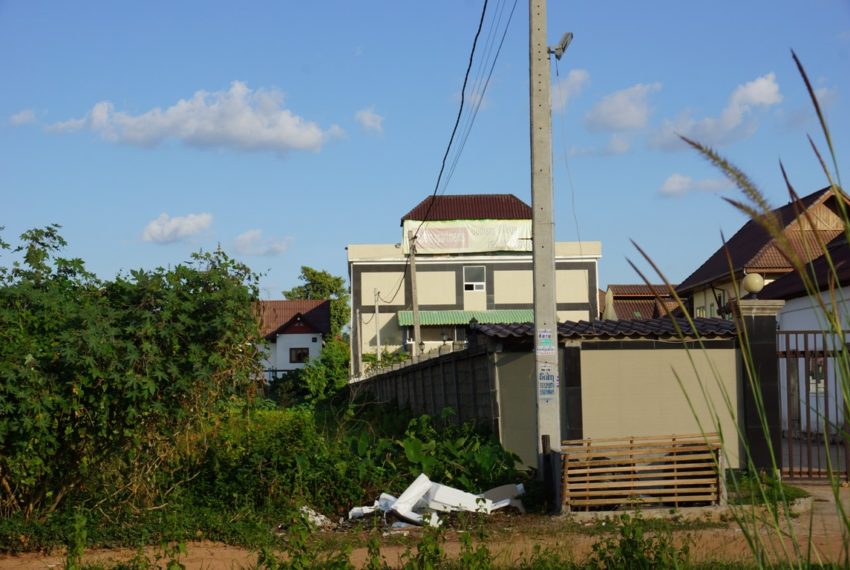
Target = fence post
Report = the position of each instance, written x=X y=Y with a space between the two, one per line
x=758 y=317
x=551 y=480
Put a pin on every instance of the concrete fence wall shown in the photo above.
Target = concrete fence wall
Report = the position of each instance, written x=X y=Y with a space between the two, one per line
x=463 y=381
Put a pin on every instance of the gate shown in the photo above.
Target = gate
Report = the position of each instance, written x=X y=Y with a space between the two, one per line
x=814 y=374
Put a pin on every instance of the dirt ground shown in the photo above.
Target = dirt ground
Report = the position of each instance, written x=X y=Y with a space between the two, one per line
x=511 y=538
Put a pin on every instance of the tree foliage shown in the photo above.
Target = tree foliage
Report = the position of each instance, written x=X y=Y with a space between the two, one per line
x=320 y=284
x=96 y=371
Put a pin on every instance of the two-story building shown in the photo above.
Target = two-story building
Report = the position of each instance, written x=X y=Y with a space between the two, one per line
x=473 y=261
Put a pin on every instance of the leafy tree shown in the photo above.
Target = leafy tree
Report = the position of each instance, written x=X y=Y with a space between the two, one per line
x=98 y=373
x=322 y=285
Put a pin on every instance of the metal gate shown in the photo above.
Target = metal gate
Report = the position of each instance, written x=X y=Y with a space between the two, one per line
x=814 y=378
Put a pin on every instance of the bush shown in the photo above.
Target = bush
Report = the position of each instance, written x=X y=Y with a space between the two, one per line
x=96 y=374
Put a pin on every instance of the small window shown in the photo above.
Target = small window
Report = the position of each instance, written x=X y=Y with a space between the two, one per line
x=315 y=339
x=700 y=312
x=474 y=278
x=299 y=355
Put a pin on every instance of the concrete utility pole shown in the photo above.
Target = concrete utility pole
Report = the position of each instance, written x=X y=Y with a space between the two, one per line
x=377 y=326
x=546 y=377
x=417 y=338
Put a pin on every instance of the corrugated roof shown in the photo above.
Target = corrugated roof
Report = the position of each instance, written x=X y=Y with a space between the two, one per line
x=470 y=207
x=748 y=243
x=275 y=314
x=661 y=328
x=436 y=318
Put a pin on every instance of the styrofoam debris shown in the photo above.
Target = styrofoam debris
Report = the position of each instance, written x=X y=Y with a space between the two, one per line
x=317 y=520
x=424 y=496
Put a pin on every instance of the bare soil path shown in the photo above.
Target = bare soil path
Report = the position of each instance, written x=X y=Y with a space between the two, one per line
x=513 y=537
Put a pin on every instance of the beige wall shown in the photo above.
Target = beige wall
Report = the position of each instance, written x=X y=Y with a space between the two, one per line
x=571 y=286
x=636 y=392
x=390 y=332
x=475 y=300
x=517 y=404
x=513 y=286
x=564 y=316
x=436 y=287
x=385 y=282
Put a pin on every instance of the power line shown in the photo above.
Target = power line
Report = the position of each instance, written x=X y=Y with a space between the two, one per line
x=478 y=101
x=457 y=120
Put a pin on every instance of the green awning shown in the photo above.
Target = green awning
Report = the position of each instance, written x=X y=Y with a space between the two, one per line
x=436 y=318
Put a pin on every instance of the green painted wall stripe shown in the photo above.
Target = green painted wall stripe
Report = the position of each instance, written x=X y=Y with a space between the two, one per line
x=499 y=316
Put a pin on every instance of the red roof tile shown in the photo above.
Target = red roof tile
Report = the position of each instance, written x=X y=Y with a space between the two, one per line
x=276 y=314
x=634 y=309
x=750 y=241
x=791 y=285
x=640 y=290
x=470 y=207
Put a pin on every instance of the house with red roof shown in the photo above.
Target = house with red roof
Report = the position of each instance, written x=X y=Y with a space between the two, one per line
x=473 y=261
x=637 y=301
x=295 y=330
x=806 y=225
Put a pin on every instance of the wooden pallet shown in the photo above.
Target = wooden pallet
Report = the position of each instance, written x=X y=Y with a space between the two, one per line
x=674 y=470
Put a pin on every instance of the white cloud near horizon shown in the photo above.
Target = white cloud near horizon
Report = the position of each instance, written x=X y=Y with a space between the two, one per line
x=253 y=243
x=624 y=110
x=731 y=125
x=567 y=88
x=165 y=229
x=370 y=120
x=679 y=185
x=22 y=118
x=239 y=119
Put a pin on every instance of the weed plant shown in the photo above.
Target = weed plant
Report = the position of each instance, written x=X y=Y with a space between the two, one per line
x=767 y=530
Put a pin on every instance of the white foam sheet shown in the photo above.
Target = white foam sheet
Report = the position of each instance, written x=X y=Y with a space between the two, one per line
x=423 y=495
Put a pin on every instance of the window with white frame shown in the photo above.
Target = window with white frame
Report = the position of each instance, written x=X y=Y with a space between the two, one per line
x=474 y=278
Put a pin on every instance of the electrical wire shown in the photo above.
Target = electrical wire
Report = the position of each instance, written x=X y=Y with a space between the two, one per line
x=457 y=120
x=449 y=146
x=479 y=100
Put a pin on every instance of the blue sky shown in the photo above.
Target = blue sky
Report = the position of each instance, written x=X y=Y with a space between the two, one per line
x=285 y=130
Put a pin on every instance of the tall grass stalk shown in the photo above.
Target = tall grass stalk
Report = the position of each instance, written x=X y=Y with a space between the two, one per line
x=780 y=544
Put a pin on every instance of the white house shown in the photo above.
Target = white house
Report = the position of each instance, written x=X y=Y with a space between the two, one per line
x=295 y=331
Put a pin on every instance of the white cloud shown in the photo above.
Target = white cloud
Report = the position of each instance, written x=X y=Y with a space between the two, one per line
x=623 y=110
x=252 y=242
x=239 y=118
x=370 y=120
x=168 y=230
x=679 y=184
x=24 y=117
x=732 y=124
x=566 y=89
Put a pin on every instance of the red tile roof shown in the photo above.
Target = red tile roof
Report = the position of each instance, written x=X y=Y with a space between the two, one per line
x=634 y=309
x=791 y=284
x=640 y=290
x=753 y=242
x=276 y=314
x=470 y=207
